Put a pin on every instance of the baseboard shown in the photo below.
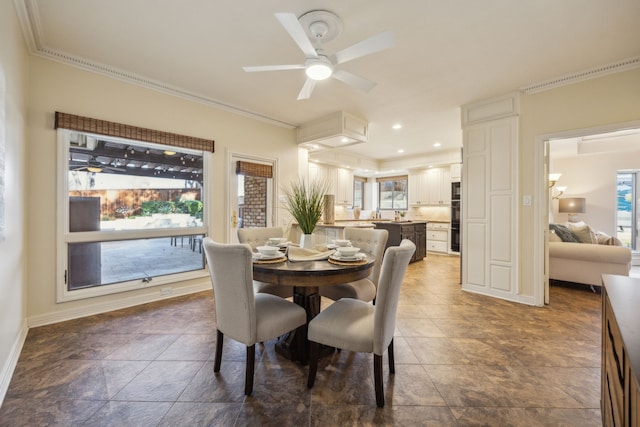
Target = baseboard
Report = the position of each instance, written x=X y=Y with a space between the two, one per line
x=92 y=309
x=11 y=363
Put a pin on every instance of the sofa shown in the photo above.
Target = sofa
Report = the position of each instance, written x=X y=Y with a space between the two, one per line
x=582 y=256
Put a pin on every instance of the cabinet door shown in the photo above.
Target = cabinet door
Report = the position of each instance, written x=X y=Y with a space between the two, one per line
x=344 y=188
x=323 y=173
x=434 y=186
x=445 y=187
x=418 y=189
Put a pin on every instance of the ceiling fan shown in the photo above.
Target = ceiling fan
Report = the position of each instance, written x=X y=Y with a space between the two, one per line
x=323 y=26
x=96 y=167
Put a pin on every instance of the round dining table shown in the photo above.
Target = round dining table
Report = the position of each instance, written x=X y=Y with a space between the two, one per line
x=307 y=277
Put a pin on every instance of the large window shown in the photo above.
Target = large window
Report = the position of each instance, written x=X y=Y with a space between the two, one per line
x=132 y=214
x=627 y=220
x=392 y=192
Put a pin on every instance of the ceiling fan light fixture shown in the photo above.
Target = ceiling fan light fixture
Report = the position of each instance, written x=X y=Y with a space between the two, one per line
x=94 y=169
x=318 y=68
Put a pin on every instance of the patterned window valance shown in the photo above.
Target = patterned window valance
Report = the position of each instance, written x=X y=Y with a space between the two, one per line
x=254 y=169
x=103 y=127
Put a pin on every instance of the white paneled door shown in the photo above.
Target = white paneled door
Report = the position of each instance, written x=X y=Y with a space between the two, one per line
x=489 y=208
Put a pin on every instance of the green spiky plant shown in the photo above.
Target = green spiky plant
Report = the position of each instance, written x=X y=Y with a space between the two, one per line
x=305 y=203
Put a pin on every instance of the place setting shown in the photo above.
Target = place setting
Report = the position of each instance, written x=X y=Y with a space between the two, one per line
x=268 y=255
x=347 y=255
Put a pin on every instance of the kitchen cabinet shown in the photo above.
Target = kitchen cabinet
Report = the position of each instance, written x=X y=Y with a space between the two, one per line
x=439 y=186
x=344 y=187
x=418 y=189
x=620 y=394
x=438 y=237
x=414 y=231
x=340 y=181
x=456 y=172
x=430 y=187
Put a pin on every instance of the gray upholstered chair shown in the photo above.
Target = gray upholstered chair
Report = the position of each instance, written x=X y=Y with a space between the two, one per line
x=371 y=241
x=240 y=313
x=355 y=325
x=259 y=236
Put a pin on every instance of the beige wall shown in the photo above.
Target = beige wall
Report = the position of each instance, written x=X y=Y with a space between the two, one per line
x=13 y=109
x=57 y=87
x=593 y=103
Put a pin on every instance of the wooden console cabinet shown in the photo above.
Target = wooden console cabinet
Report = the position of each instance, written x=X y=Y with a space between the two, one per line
x=620 y=393
x=414 y=231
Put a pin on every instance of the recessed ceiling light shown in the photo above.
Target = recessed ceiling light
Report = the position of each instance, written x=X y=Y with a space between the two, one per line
x=401 y=151
x=396 y=126
x=437 y=144
x=344 y=140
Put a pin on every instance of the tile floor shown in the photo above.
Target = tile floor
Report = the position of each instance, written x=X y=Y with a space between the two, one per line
x=461 y=359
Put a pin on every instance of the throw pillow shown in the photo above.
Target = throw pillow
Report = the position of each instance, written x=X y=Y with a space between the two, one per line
x=553 y=237
x=564 y=233
x=583 y=232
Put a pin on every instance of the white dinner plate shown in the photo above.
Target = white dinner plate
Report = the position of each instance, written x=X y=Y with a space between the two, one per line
x=259 y=256
x=356 y=257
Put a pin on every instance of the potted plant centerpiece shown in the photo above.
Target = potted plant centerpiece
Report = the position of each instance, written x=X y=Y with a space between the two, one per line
x=305 y=203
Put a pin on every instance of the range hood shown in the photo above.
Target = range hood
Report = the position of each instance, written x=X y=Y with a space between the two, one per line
x=337 y=130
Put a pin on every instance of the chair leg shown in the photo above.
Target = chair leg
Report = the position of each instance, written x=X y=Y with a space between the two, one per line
x=313 y=363
x=218 y=359
x=377 y=379
x=248 y=379
x=392 y=362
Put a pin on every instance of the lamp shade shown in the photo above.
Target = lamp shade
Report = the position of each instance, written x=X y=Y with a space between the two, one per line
x=572 y=205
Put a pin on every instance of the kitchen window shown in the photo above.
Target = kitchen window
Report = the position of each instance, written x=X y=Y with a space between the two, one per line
x=392 y=193
x=132 y=214
x=358 y=191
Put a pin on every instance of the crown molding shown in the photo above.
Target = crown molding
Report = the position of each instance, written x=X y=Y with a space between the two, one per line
x=28 y=16
x=592 y=73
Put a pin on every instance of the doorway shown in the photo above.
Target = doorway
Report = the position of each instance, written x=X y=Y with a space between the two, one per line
x=590 y=161
x=251 y=193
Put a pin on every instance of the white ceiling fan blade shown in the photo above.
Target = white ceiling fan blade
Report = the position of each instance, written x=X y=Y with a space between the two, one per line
x=291 y=24
x=353 y=80
x=368 y=46
x=305 y=93
x=273 y=68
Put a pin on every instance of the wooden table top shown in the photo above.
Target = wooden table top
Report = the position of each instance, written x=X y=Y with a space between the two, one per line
x=311 y=273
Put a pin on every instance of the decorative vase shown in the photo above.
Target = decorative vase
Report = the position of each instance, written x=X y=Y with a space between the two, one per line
x=305 y=241
x=356 y=212
x=329 y=209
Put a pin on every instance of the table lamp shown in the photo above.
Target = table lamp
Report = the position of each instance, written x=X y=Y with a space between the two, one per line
x=572 y=205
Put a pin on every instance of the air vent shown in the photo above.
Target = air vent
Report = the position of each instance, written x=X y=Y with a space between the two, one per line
x=593 y=73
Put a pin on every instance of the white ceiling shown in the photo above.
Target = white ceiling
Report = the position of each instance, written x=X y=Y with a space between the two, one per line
x=446 y=54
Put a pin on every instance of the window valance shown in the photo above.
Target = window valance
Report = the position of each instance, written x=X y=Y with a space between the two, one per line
x=254 y=169
x=391 y=178
x=103 y=127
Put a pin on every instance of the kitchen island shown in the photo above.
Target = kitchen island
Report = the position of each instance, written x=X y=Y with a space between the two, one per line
x=416 y=231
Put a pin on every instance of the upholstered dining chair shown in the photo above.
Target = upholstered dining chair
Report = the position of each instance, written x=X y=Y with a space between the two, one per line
x=371 y=241
x=355 y=325
x=258 y=236
x=240 y=313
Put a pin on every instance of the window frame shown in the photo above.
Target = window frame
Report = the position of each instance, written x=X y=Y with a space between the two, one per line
x=362 y=181
x=64 y=237
x=394 y=179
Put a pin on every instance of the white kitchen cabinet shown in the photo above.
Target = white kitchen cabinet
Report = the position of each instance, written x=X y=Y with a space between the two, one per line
x=418 y=189
x=456 y=172
x=439 y=186
x=430 y=187
x=322 y=173
x=344 y=187
x=438 y=237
